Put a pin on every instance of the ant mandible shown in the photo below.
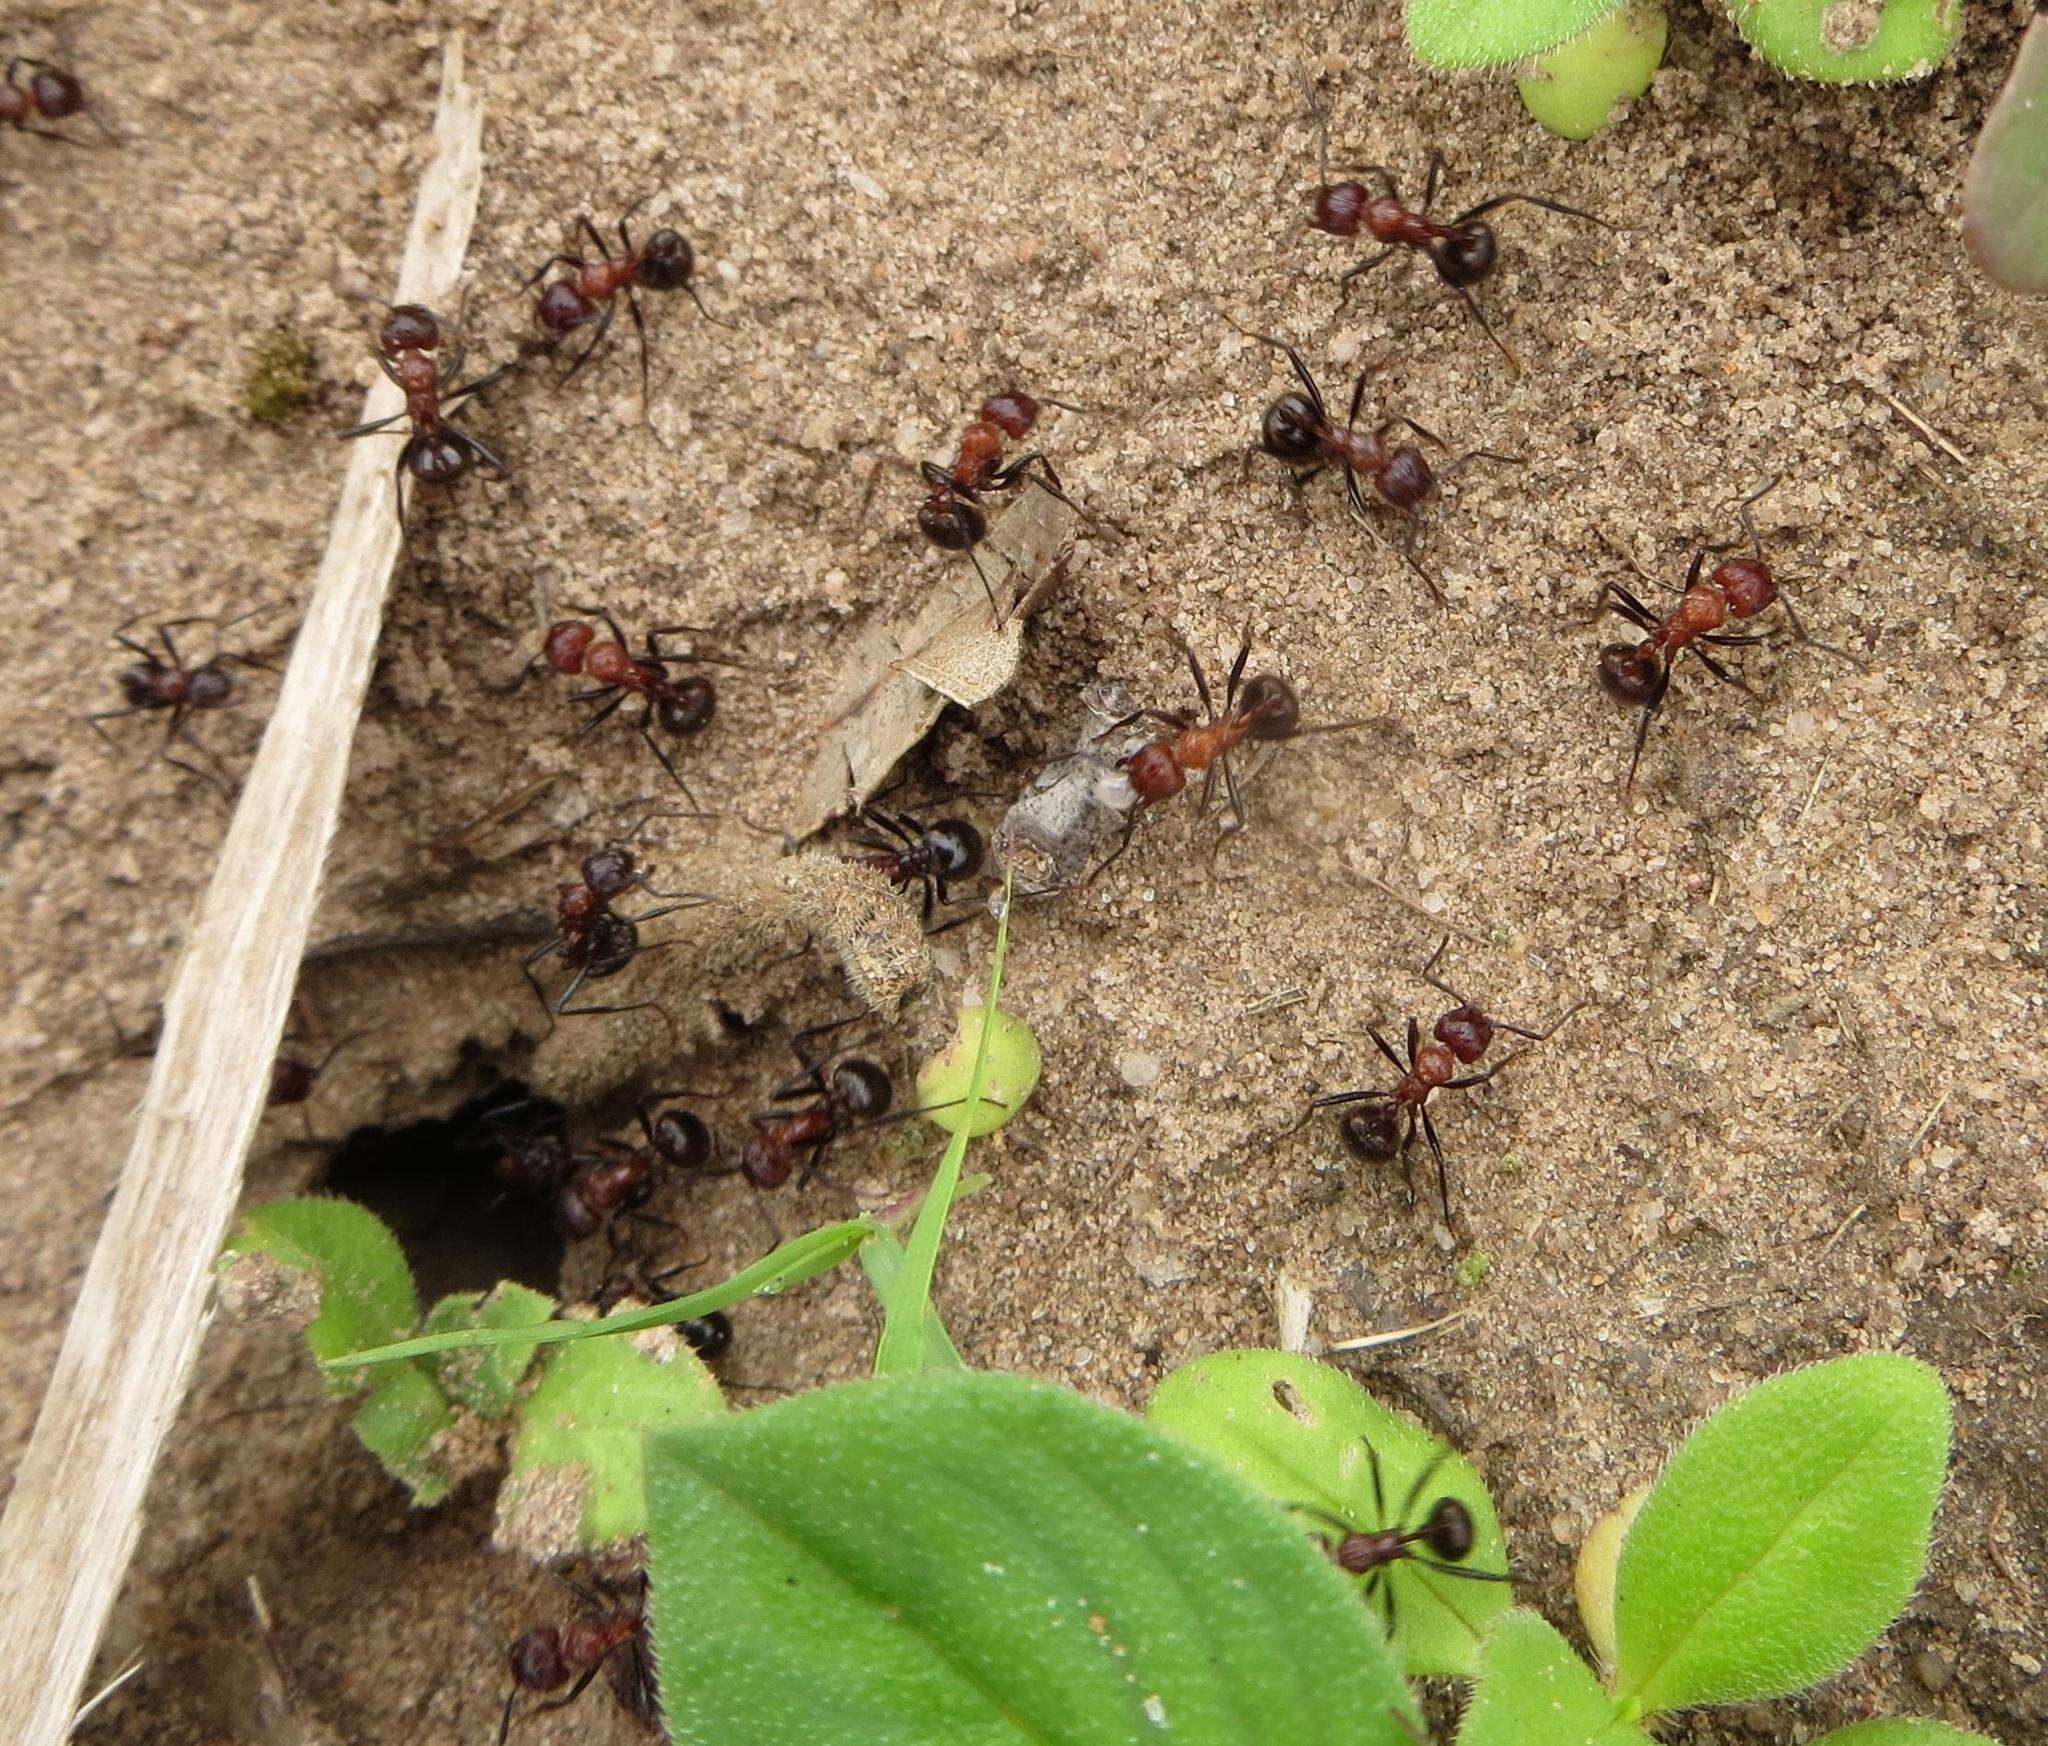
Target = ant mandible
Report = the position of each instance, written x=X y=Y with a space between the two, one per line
x=1738 y=588
x=166 y=682
x=613 y=1639
x=681 y=706
x=592 y=938
x=1375 y=1133
x=951 y=517
x=1297 y=429
x=665 y=262
x=1265 y=709
x=1447 y=1531
x=50 y=94
x=435 y=452
x=926 y=855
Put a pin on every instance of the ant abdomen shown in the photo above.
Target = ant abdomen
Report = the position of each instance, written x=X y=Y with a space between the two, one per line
x=1274 y=709
x=688 y=706
x=956 y=848
x=667 y=261
x=1371 y=1132
x=1291 y=429
x=1631 y=672
x=682 y=1139
x=613 y=941
x=537 y=1660
x=709 y=1336
x=435 y=460
x=1467 y=255
x=862 y=1088
x=1448 y=1532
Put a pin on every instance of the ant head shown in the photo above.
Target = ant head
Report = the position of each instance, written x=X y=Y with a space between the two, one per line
x=1340 y=208
x=956 y=848
x=952 y=523
x=687 y=707
x=1467 y=255
x=682 y=1139
x=1632 y=673
x=536 y=1659
x=209 y=687
x=862 y=1088
x=1448 y=1531
x=610 y=872
x=57 y=94
x=710 y=1337
x=1013 y=413
x=1747 y=583
x=1466 y=1032
x=1155 y=772
x=562 y=306
x=667 y=261
x=1371 y=1132
x=410 y=327
x=532 y=1163
x=435 y=460
x=144 y=684
x=1270 y=702
x=765 y=1168
x=1290 y=429
x=291 y=1080
x=564 y=646
x=1406 y=479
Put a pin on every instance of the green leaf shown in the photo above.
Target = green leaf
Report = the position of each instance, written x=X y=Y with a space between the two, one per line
x=967 y=1559
x=1533 y=1691
x=1833 y=40
x=1573 y=89
x=487 y=1380
x=1593 y=1575
x=882 y=1260
x=1299 y=1431
x=577 y=1475
x=1492 y=33
x=1903 y=1731
x=365 y=1286
x=401 y=1421
x=2005 y=193
x=1784 y=1535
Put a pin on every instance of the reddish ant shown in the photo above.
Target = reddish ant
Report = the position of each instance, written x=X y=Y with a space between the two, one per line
x=1447 y=1532
x=613 y=1639
x=1297 y=429
x=1375 y=1133
x=1463 y=252
x=436 y=452
x=844 y=1091
x=165 y=682
x=665 y=262
x=49 y=94
x=1739 y=588
x=586 y=1192
x=926 y=855
x=681 y=706
x=1266 y=709
x=951 y=517
x=292 y=1078
x=592 y=938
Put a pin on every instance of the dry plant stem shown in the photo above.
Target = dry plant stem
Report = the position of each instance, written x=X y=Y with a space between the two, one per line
x=72 y=1520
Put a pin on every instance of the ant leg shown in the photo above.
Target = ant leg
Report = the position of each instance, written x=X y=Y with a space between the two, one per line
x=1742 y=509
x=667 y=1017
x=398 y=488
x=1437 y=166
x=1422 y=1477
x=987 y=587
x=1236 y=799
x=1327 y=1517
x=1201 y=678
x=590 y=230
x=540 y=272
x=1642 y=733
x=1623 y=604
x=1301 y=371
x=691 y=290
x=1387 y=1049
x=1414 y=1038
x=610 y=623
x=661 y=754
x=1479 y=315
x=1427 y=435
x=1208 y=792
x=604 y=323
x=1410 y=539
x=1500 y=200
x=93 y=722
x=1720 y=672
x=371 y=429
x=1358 y=393
x=1337 y=1098
x=805 y=1059
x=602 y=714
x=1244 y=652
x=1443 y=1181
x=1470 y=455
x=1459 y=1570
x=1130 y=829
x=640 y=332
x=1358 y=270
x=575 y=1691
x=481 y=450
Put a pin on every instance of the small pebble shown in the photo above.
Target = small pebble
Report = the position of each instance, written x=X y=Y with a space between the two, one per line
x=1140 y=1071
x=1934 y=1671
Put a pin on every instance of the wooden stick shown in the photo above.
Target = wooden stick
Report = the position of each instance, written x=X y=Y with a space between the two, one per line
x=76 y=1507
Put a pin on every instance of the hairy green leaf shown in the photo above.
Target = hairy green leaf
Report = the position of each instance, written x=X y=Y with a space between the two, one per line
x=486 y=1380
x=400 y=1421
x=1846 y=42
x=1533 y=1691
x=1784 y=1535
x=1301 y=1432
x=1493 y=33
x=1574 y=88
x=965 y=1559
x=2005 y=193
x=1903 y=1731
x=365 y=1287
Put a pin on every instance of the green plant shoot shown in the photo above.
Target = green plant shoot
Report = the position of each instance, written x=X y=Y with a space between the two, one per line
x=1533 y=1691
x=1574 y=89
x=2005 y=193
x=1847 y=42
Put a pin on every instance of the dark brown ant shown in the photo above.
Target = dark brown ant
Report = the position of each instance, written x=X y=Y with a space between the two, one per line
x=49 y=94
x=1463 y=252
x=1298 y=430
x=925 y=855
x=951 y=517
x=611 y=1639
x=1738 y=588
x=1266 y=709
x=708 y=1335
x=1375 y=1132
x=665 y=262
x=166 y=682
x=435 y=452
x=844 y=1090
x=592 y=938
x=598 y=1190
x=680 y=706
x=1446 y=1533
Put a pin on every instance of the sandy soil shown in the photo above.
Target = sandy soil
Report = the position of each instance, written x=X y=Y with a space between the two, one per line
x=1802 y=1114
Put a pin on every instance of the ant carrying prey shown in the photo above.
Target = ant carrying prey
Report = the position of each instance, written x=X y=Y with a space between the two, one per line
x=611 y=1638
x=436 y=452
x=592 y=938
x=1738 y=588
x=1297 y=429
x=681 y=707
x=167 y=683
x=1384 y=1124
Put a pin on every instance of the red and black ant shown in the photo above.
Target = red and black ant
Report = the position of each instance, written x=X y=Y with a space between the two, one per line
x=612 y=1640
x=1265 y=709
x=1298 y=430
x=49 y=94
x=166 y=682
x=665 y=262
x=1739 y=588
x=680 y=706
x=435 y=451
x=1447 y=1533
x=925 y=855
x=592 y=938
x=951 y=517
x=1463 y=252
x=1375 y=1133
x=845 y=1092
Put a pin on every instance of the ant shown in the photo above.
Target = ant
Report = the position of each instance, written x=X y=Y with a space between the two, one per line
x=1447 y=1531
x=592 y=938
x=1739 y=588
x=681 y=706
x=951 y=517
x=612 y=1639
x=1297 y=429
x=1463 y=252
x=1461 y=1036
x=843 y=1092
x=49 y=94
x=926 y=855
x=599 y=1189
x=166 y=682
x=436 y=452
x=1265 y=709
x=665 y=262
x=708 y=1335
x=292 y=1078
